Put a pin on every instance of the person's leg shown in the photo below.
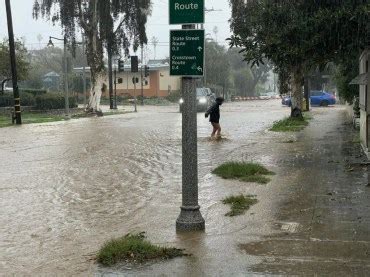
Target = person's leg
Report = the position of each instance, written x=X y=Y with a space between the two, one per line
x=219 y=130
x=214 y=129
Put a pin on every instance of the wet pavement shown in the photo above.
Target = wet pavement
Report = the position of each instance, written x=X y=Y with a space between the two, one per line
x=67 y=187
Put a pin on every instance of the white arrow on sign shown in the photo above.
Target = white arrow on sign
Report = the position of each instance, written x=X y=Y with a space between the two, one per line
x=200 y=69
x=200 y=48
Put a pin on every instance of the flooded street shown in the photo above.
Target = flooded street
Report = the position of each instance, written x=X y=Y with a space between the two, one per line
x=67 y=187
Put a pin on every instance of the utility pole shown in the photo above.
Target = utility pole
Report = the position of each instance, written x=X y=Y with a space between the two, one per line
x=84 y=70
x=17 y=100
x=66 y=85
x=110 y=74
x=142 y=76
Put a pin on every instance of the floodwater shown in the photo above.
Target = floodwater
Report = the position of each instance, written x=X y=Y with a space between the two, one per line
x=67 y=187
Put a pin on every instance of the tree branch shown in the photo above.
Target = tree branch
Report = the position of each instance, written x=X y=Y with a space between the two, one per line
x=119 y=26
x=81 y=16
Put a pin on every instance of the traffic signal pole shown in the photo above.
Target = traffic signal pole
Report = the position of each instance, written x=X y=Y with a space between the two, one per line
x=17 y=100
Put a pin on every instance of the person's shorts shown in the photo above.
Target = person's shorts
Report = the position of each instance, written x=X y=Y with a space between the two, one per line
x=215 y=121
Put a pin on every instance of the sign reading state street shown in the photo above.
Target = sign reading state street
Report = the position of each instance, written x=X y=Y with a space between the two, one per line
x=186 y=11
x=186 y=52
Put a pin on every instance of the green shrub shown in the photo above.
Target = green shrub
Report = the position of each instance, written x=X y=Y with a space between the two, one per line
x=7 y=100
x=53 y=101
x=174 y=97
x=34 y=92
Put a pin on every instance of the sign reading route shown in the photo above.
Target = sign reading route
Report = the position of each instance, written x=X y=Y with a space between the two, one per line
x=186 y=11
x=186 y=52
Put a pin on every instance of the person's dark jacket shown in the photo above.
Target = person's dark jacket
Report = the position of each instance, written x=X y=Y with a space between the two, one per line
x=214 y=113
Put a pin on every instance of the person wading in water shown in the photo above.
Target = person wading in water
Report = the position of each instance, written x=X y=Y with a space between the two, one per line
x=214 y=117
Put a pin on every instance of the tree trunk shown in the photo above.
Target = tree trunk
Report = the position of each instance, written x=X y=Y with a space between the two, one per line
x=97 y=68
x=297 y=93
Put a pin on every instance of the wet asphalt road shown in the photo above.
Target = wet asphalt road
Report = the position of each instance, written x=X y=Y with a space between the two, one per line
x=66 y=188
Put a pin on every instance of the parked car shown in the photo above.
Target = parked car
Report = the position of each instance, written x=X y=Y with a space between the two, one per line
x=205 y=98
x=317 y=98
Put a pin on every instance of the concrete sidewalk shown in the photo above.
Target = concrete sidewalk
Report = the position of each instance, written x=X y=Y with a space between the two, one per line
x=325 y=220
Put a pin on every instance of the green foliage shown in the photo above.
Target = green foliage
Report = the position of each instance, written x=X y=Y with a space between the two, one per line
x=239 y=204
x=118 y=24
x=247 y=172
x=134 y=248
x=290 y=124
x=217 y=64
x=345 y=72
x=34 y=92
x=299 y=33
x=7 y=99
x=174 y=97
x=245 y=77
x=51 y=101
x=21 y=60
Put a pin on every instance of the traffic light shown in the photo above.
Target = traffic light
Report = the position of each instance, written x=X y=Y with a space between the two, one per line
x=146 y=71
x=121 y=66
x=120 y=81
x=134 y=64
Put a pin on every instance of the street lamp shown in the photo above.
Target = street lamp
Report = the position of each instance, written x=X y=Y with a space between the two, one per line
x=66 y=88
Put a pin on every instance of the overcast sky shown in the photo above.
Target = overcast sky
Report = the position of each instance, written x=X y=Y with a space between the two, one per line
x=25 y=26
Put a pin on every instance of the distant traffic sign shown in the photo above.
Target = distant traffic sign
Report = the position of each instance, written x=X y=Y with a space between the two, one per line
x=186 y=52
x=186 y=11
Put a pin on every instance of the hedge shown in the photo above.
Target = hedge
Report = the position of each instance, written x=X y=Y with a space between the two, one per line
x=7 y=99
x=34 y=92
x=52 y=101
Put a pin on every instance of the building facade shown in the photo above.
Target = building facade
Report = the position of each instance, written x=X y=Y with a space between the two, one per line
x=363 y=81
x=159 y=83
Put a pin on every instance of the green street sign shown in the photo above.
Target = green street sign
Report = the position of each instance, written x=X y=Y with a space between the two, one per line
x=186 y=52
x=186 y=11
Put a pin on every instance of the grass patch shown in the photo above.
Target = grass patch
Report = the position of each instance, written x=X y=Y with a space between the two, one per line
x=239 y=204
x=247 y=172
x=291 y=124
x=28 y=118
x=134 y=248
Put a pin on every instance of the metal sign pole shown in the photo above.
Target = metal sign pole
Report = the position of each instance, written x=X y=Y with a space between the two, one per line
x=190 y=218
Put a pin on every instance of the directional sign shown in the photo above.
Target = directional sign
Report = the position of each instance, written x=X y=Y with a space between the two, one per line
x=186 y=52
x=186 y=11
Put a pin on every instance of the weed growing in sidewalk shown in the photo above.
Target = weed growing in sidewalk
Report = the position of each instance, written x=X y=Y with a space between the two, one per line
x=134 y=248
x=239 y=204
x=246 y=172
x=291 y=124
